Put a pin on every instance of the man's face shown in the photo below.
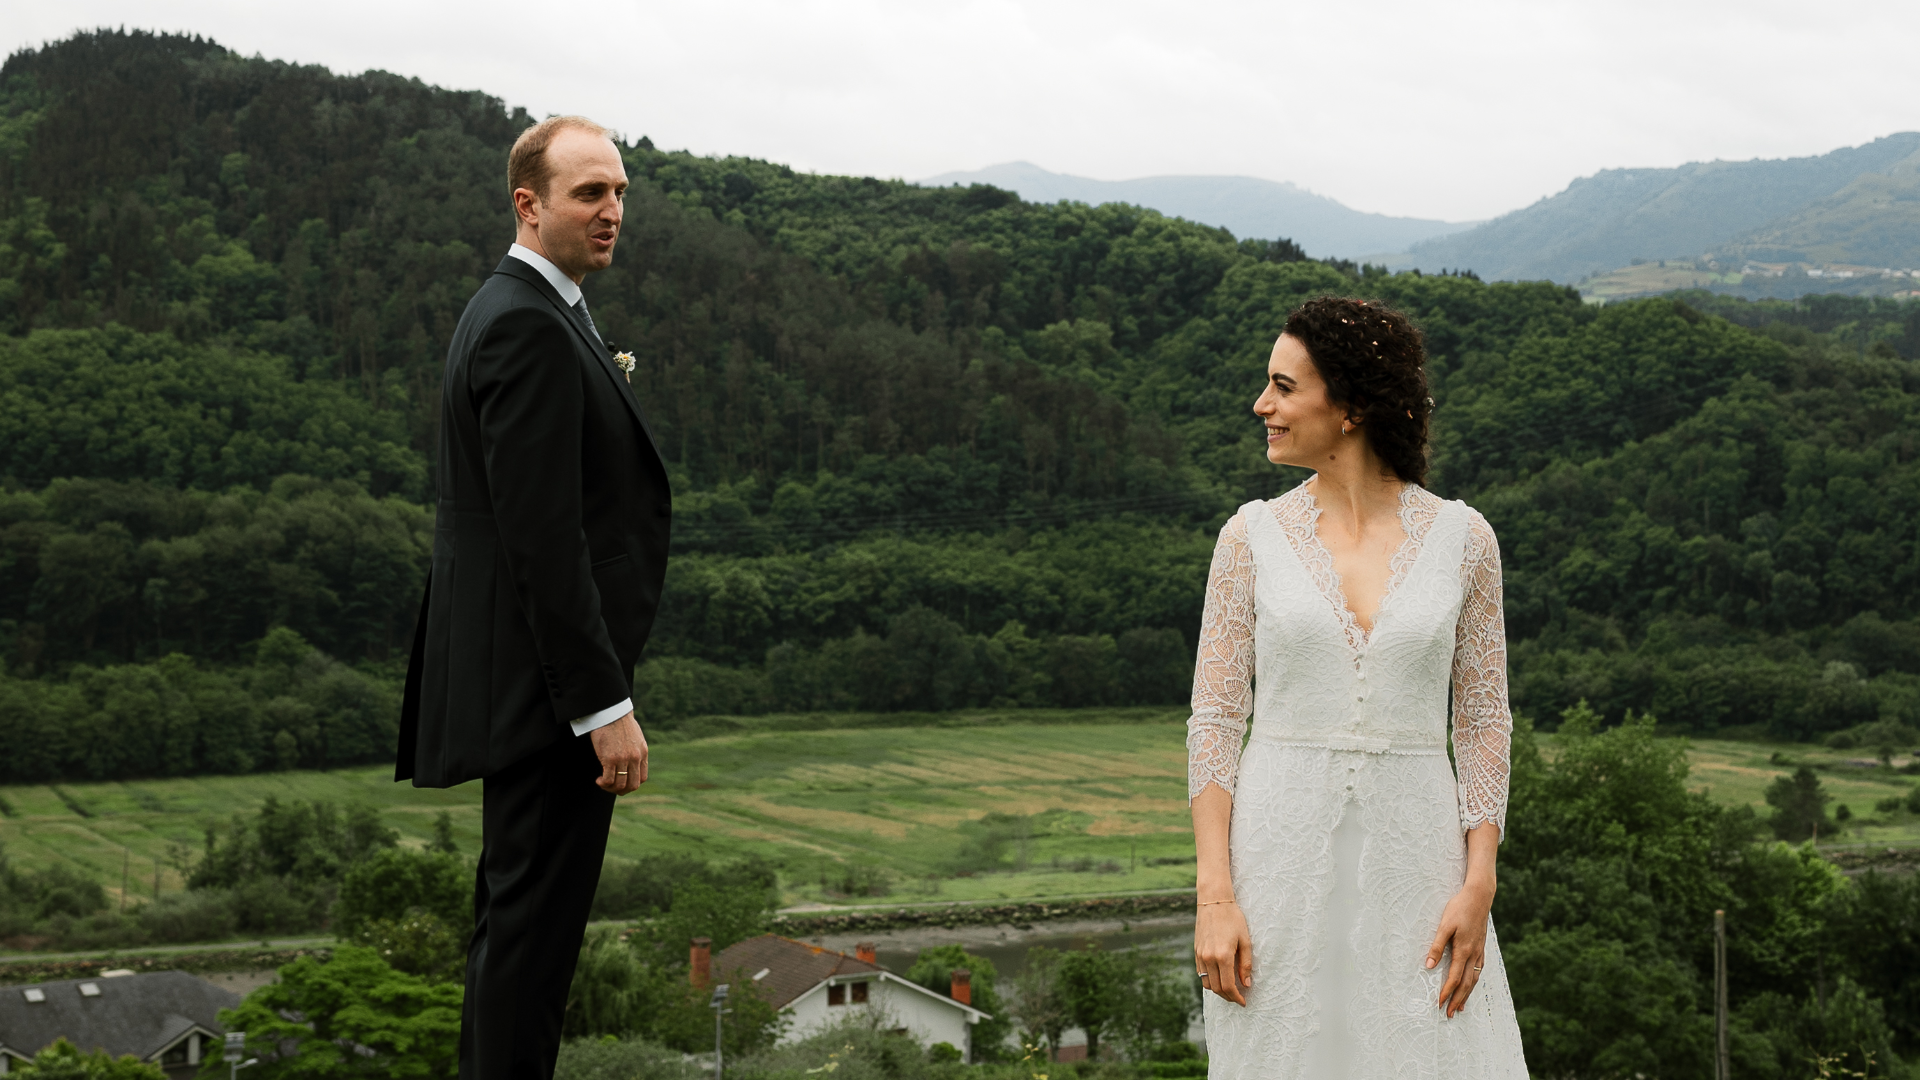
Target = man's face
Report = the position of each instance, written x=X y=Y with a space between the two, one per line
x=579 y=220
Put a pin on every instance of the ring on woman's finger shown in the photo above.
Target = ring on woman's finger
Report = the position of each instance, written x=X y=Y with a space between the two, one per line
x=1204 y=974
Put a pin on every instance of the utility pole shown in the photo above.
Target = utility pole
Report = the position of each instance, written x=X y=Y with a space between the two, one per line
x=1722 y=1062
x=719 y=1006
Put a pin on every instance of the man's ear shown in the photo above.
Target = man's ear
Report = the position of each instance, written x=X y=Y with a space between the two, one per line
x=526 y=207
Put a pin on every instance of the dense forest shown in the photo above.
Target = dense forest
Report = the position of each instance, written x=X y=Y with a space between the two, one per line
x=932 y=448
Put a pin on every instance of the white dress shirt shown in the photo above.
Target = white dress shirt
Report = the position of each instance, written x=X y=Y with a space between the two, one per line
x=570 y=295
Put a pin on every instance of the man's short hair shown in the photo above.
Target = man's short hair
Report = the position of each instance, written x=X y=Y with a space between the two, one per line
x=527 y=165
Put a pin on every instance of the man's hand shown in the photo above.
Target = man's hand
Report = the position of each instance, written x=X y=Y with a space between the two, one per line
x=623 y=755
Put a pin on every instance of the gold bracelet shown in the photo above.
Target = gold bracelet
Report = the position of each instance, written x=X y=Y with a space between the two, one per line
x=1210 y=903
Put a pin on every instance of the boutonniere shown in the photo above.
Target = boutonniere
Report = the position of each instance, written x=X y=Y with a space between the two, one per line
x=624 y=361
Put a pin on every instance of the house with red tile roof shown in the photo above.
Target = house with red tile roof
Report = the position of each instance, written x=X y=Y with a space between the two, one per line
x=815 y=987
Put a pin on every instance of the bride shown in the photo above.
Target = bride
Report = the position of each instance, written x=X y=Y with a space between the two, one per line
x=1345 y=871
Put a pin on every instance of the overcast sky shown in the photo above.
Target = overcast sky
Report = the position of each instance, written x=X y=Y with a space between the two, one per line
x=1458 y=110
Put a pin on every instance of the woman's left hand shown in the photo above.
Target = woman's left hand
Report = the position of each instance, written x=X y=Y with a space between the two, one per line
x=1464 y=926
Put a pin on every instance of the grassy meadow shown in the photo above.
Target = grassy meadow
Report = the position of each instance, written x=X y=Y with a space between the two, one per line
x=853 y=810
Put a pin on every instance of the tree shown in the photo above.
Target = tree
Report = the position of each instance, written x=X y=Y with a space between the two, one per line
x=933 y=968
x=415 y=908
x=613 y=993
x=1839 y=1033
x=1873 y=932
x=726 y=912
x=1799 y=806
x=1092 y=986
x=395 y=881
x=1041 y=1001
x=357 y=1017
x=1159 y=1006
x=442 y=842
x=64 y=1061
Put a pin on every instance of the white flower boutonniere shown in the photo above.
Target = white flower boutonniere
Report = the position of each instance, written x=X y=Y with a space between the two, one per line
x=625 y=362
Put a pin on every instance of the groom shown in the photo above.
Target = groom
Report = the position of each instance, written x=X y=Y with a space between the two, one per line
x=548 y=555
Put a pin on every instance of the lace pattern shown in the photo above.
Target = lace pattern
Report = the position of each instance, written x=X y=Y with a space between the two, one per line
x=1345 y=841
x=1482 y=720
x=1223 y=685
x=1298 y=513
x=1223 y=673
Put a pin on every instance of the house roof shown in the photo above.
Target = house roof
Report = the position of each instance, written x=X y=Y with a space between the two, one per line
x=794 y=967
x=131 y=1014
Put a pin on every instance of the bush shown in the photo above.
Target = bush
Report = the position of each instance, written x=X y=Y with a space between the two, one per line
x=417 y=943
x=64 y=1061
x=62 y=890
x=279 y=905
x=609 y=1058
x=636 y=890
x=394 y=883
x=1841 y=1033
x=196 y=915
x=356 y=1016
x=857 y=1048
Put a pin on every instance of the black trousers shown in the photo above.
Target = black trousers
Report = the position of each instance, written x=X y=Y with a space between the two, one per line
x=543 y=837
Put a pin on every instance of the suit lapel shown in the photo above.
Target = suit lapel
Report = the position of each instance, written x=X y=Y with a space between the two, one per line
x=602 y=355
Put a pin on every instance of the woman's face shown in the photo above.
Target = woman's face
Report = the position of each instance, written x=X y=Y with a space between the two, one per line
x=1303 y=424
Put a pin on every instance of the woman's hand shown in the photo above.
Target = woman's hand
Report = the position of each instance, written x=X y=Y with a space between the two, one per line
x=1223 y=951
x=1463 y=925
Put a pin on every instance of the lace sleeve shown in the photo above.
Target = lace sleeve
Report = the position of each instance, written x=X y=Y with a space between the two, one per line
x=1482 y=722
x=1223 y=673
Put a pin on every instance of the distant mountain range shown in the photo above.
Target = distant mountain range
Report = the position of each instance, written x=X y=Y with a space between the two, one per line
x=1248 y=207
x=1855 y=206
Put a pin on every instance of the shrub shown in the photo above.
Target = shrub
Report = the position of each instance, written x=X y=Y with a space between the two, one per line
x=609 y=1058
x=196 y=915
x=393 y=883
x=64 y=1061
x=356 y=1016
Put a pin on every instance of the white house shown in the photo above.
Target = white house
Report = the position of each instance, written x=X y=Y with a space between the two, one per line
x=816 y=987
x=169 y=1018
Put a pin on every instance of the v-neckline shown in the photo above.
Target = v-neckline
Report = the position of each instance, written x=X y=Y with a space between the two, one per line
x=1320 y=565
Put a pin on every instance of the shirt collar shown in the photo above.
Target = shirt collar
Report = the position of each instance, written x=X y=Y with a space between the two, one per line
x=562 y=284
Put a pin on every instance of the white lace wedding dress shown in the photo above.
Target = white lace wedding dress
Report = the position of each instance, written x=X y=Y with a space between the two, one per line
x=1348 y=828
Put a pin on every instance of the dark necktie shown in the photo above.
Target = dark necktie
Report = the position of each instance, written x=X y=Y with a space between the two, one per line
x=580 y=306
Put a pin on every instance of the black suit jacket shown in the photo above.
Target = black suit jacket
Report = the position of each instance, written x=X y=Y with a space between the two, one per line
x=550 y=545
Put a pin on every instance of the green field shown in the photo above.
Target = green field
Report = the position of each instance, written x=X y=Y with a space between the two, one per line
x=1739 y=772
x=1103 y=795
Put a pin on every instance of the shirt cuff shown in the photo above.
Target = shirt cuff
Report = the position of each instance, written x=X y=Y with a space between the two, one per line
x=602 y=718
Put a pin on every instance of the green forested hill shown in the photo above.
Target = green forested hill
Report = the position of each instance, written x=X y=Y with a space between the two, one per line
x=1778 y=210
x=932 y=448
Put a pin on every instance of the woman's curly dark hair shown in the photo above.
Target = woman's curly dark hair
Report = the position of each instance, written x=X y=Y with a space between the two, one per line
x=1375 y=364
